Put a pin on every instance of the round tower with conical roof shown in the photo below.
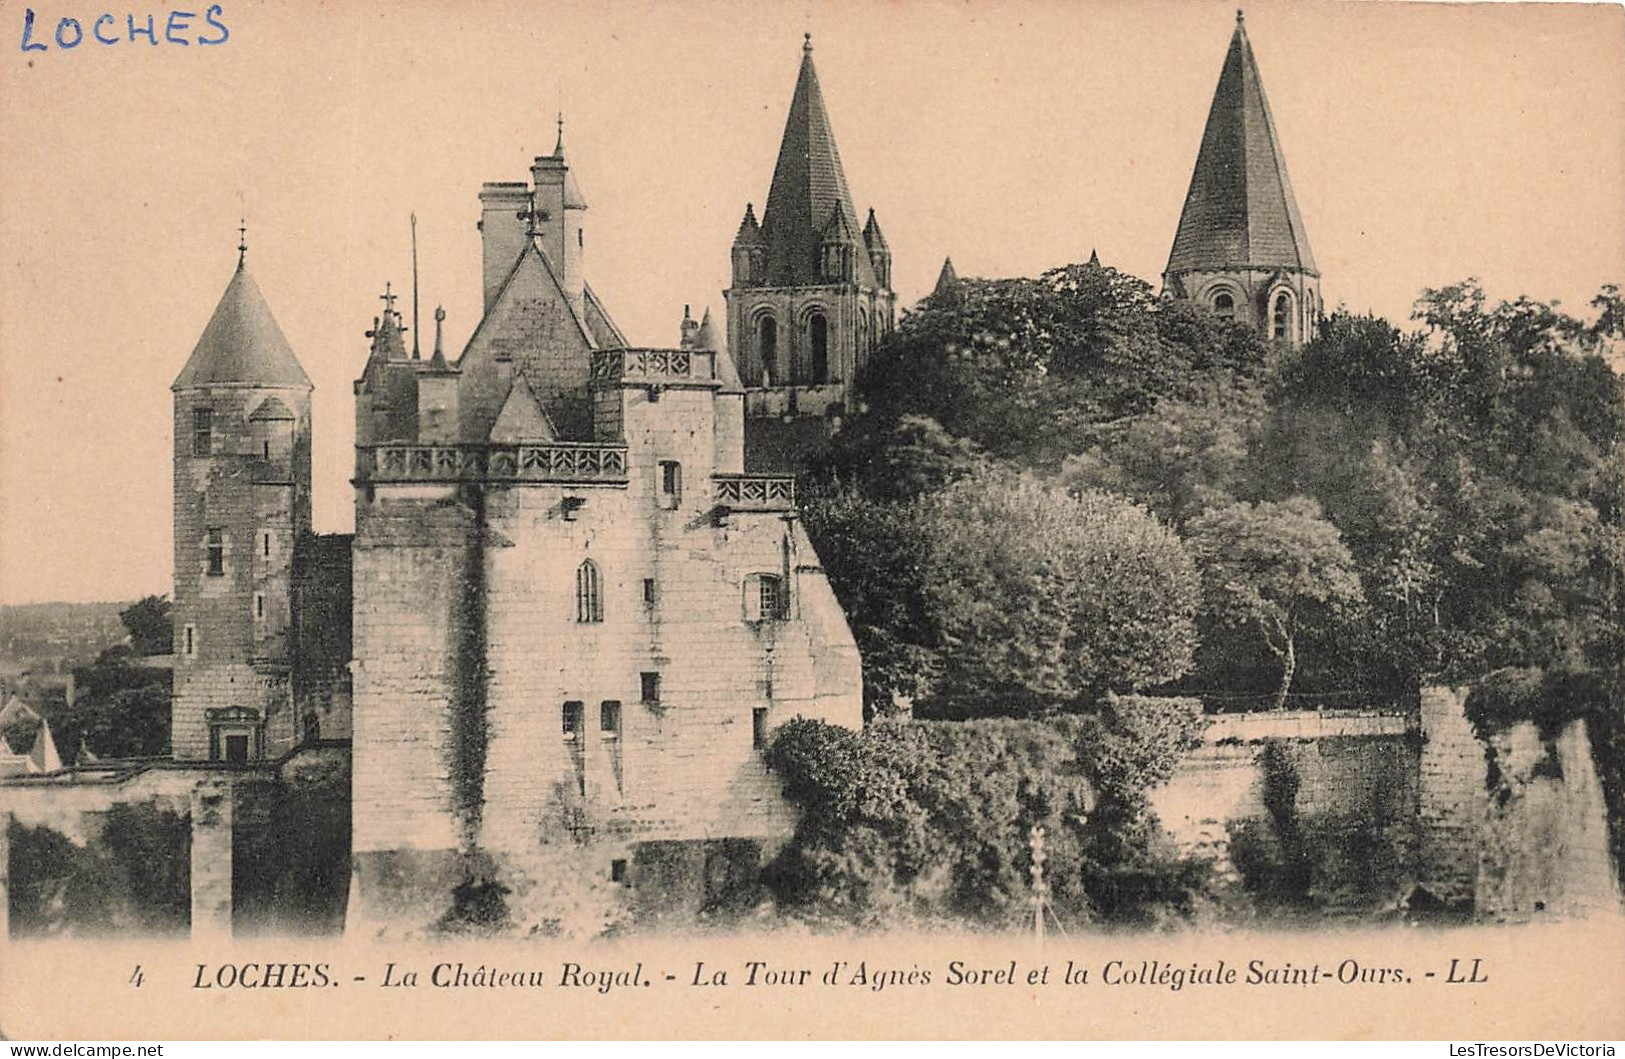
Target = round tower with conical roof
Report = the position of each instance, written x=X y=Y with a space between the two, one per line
x=242 y=503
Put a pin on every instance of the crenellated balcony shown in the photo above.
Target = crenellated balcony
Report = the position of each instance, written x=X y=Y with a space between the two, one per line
x=755 y=492
x=654 y=366
x=553 y=462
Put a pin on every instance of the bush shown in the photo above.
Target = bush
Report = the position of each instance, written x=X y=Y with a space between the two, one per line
x=929 y=822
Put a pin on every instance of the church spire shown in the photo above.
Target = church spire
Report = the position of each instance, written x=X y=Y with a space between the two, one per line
x=1240 y=248
x=809 y=188
x=1240 y=211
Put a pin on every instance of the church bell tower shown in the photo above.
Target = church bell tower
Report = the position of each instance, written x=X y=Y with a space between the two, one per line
x=1241 y=248
x=811 y=293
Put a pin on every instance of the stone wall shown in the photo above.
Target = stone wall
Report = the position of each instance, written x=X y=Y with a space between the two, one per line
x=1508 y=829
x=222 y=807
x=1452 y=807
x=1349 y=764
x=1544 y=837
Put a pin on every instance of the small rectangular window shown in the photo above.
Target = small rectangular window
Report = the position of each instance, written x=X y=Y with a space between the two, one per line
x=758 y=728
x=651 y=687
x=237 y=749
x=265 y=449
x=766 y=598
x=189 y=641
x=202 y=431
x=609 y=717
x=265 y=543
x=617 y=871
x=648 y=592
x=572 y=720
x=215 y=546
x=671 y=484
x=259 y=606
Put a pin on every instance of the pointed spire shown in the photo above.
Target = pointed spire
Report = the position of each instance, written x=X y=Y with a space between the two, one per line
x=947 y=279
x=687 y=330
x=242 y=343
x=750 y=233
x=558 y=145
x=1094 y=257
x=873 y=237
x=1240 y=211
x=809 y=186
x=44 y=757
x=437 y=360
x=386 y=330
x=727 y=372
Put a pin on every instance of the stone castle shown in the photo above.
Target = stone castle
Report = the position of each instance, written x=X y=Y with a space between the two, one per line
x=578 y=599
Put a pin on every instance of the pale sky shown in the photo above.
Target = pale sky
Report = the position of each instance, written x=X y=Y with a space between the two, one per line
x=1425 y=144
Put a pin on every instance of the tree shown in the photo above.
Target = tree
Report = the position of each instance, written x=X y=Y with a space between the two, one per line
x=1025 y=368
x=121 y=709
x=151 y=629
x=1044 y=600
x=1278 y=568
x=877 y=557
x=1187 y=455
x=929 y=821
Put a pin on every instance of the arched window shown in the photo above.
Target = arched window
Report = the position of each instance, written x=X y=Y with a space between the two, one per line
x=818 y=341
x=589 y=593
x=1281 y=325
x=1224 y=306
x=863 y=337
x=767 y=348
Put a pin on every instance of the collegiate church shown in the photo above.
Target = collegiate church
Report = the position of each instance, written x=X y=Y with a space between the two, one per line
x=578 y=599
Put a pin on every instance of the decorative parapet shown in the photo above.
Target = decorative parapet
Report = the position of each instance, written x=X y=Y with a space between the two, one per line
x=553 y=462
x=755 y=492
x=653 y=366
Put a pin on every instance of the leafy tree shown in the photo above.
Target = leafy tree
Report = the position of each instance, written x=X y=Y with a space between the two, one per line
x=1187 y=455
x=1026 y=367
x=929 y=821
x=1044 y=600
x=878 y=560
x=1277 y=568
x=121 y=709
x=151 y=629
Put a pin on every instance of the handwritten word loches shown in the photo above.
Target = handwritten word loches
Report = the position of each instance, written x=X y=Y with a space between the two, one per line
x=105 y=30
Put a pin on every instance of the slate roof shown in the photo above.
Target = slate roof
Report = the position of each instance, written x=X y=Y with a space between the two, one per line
x=1240 y=211
x=242 y=344
x=809 y=188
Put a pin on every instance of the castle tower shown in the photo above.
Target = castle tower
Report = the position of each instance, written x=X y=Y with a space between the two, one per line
x=1241 y=248
x=242 y=503
x=811 y=291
